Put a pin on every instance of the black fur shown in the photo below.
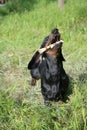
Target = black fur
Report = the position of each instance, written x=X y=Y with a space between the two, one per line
x=54 y=80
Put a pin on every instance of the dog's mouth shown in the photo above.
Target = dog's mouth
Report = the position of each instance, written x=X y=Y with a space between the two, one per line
x=58 y=45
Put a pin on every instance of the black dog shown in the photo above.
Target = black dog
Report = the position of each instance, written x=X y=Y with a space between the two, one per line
x=54 y=80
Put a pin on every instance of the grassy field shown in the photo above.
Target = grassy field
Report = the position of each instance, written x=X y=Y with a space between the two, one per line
x=23 y=26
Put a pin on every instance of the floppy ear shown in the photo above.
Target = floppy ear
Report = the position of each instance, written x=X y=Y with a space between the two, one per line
x=34 y=62
x=61 y=56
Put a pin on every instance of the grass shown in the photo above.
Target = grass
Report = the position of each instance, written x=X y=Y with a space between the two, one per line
x=22 y=30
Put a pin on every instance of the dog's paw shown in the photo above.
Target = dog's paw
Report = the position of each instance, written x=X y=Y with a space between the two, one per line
x=33 y=82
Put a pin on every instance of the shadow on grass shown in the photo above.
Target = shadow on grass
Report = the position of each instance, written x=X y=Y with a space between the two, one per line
x=80 y=82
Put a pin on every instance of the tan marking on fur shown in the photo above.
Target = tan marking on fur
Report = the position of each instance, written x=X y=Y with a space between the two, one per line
x=52 y=52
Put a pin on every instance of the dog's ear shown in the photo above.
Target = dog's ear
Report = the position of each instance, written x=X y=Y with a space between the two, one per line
x=61 y=56
x=34 y=61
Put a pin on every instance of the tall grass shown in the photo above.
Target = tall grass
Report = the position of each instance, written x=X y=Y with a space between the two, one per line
x=23 y=25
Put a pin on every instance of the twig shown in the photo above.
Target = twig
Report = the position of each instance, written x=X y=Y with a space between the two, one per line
x=49 y=46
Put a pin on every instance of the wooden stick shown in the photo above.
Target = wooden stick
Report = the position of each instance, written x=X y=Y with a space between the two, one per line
x=49 y=46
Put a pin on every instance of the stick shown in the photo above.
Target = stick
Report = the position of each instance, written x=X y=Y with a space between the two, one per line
x=49 y=46
x=36 y=57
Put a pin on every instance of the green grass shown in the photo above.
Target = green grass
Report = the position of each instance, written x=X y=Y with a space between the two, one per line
x=23 y=26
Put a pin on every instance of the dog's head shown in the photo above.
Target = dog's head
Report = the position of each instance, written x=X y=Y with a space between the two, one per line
x=54 y=37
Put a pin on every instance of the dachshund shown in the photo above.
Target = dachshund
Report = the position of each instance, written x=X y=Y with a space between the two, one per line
x=49 y=68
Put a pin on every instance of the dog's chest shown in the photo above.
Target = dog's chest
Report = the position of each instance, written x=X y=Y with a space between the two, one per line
x=52 y=69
